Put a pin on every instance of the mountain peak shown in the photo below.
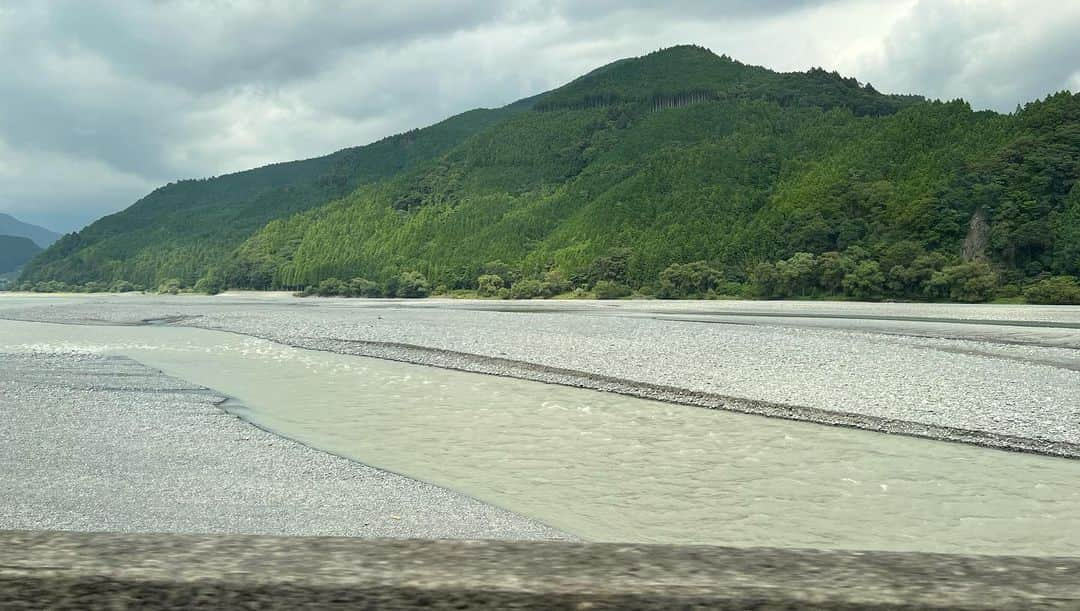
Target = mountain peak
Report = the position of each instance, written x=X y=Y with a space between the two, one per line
x=667 y=77
x=683 y=52
x=666 y=71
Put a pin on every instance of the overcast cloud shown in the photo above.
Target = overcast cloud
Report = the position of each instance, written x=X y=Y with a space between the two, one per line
x=102 y=101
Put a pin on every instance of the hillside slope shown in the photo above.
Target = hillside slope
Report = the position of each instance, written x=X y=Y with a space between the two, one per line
x=183 y=229
x=15 y=251
x=774 y=185
x=680 y=173
x=12 y=226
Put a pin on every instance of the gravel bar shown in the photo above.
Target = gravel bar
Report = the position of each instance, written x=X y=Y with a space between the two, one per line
x=94 y=443
x=999 y=376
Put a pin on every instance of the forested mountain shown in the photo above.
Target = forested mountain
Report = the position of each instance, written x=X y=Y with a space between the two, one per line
x=683 y=173
x=11 y=226
x=15 y=251
x=185 y=228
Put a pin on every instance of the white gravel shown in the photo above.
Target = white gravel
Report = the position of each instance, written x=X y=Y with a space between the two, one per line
x=92 y=443
x=998 y=370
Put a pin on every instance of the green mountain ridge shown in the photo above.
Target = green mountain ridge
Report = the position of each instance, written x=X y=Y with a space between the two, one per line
x=685 y=75
x=185 y=228
x=679 y=173
x=15 y=251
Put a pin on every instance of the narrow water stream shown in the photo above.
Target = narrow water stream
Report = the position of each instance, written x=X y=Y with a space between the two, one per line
x=613 y=468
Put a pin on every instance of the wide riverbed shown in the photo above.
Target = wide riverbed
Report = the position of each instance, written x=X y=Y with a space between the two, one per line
x=614 y=468
x=1005 y=376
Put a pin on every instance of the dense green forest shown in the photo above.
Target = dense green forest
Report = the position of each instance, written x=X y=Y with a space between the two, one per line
x=15 y=251
x=185 y=228
x=677 y=174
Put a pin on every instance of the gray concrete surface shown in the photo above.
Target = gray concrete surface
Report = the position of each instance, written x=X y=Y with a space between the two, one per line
x=76 y=571
x=93 y=443
x=1003 y=376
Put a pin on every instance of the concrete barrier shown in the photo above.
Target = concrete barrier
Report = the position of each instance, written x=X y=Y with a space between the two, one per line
x=59 y=570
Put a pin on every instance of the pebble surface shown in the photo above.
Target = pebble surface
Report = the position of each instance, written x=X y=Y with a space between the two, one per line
x=95 y=443
x=1011 y=372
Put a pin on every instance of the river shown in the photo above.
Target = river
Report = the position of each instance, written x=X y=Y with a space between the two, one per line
x=613 y=468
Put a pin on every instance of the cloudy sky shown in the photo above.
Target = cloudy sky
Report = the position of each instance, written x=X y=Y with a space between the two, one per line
x=103 y=100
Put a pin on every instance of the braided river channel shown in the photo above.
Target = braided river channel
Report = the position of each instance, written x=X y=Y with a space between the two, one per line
x=613 y=468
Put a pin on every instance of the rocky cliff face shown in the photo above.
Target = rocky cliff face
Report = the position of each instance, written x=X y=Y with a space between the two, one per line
x=978 y=237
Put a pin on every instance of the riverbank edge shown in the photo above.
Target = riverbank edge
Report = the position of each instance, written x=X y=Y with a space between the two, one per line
x=523 y=370
x=411 y=497
x=63 y=570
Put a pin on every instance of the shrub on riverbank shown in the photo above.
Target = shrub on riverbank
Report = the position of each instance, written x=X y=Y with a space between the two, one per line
x=905 y=272
x=1064 y=290
x=607 y=289
x=408 y=285
x=211 y=284
x=527 y=289
x=901 y=272
x=689 y=281
x=173 y=286
x=488 y=285
x=411 y=285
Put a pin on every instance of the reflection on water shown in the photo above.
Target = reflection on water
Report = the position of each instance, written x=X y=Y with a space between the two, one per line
x=614 y=468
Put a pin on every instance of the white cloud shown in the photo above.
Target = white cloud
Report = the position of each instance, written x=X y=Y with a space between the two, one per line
x=118 y=97
x=46 y=187
x=993 y=53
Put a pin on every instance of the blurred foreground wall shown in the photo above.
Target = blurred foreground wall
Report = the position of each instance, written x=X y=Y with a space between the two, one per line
x=58 y=570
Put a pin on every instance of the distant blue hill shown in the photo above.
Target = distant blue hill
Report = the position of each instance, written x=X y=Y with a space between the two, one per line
x=12 y=226
x=15 y=251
